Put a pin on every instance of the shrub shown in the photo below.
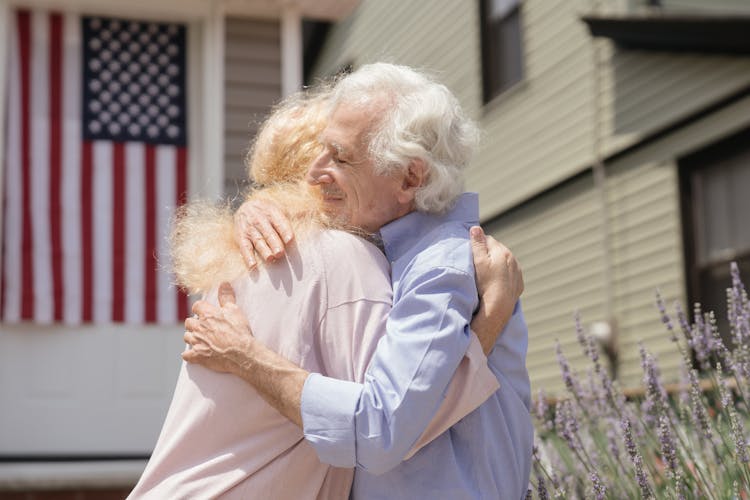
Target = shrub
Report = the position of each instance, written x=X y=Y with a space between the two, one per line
x=689 y=442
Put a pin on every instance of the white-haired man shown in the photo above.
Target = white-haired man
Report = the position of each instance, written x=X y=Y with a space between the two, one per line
x=396 y=144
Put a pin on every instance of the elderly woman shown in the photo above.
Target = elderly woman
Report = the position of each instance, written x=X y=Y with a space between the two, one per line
x=220 y=438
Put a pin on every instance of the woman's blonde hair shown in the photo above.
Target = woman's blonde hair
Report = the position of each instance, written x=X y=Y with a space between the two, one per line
x=203 y=247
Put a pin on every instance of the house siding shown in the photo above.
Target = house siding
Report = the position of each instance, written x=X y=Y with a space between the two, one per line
x=252 y=85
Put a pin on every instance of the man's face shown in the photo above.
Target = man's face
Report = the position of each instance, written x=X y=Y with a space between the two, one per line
x=345 y=173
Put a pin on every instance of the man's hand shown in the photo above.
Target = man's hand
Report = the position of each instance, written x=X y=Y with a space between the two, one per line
x=260 y=226
x=220 y=339
x=218 y=336
x=499 y=283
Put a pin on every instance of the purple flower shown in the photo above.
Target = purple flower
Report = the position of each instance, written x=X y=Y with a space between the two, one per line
x=665 y=317
x=571 y=382
x=542 y=411
x=636 y=458
x=566 y=423
x=599 y=489
x=738 y=431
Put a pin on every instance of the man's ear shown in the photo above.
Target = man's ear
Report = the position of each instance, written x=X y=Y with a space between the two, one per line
x=414 y=178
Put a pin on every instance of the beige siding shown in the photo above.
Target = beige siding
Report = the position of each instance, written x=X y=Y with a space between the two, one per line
x=558 y=239
x=253 y=84
x=440 y=36
x=645 y=92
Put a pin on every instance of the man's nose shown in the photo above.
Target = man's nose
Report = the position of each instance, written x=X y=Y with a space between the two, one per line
x=317 y=173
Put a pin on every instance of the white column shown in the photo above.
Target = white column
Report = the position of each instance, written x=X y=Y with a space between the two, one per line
x=212 y=116
x=291 y=50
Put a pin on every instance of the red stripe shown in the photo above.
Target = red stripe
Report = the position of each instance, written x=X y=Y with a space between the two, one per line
x=151 y=290
x=118 y=233
x=182 y=298
x=27 y=261
x=87 y=239
x=55 y=162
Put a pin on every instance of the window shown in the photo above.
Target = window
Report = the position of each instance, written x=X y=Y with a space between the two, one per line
x=715 y=187
x=502 y=54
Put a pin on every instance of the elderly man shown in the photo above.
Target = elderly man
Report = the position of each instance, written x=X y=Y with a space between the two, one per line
x=396 y=144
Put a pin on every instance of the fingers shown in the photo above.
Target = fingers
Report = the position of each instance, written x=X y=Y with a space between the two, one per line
x=281 y=225
x=478 y=241
x=226 y=295
x=246 y=246
x=262 y=227
x=203 y=309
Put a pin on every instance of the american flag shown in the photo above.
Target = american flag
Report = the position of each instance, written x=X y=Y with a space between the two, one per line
x=95 y=163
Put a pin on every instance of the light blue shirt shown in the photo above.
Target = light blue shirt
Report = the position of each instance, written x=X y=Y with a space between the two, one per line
x=372 y=426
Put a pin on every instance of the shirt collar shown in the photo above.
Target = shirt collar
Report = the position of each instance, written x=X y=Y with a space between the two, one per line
x=403 y=233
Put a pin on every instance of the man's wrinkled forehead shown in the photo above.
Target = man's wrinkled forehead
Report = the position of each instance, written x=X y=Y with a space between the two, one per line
x=349 y=126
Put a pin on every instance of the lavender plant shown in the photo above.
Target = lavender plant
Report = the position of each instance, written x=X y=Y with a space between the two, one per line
x=691 y=443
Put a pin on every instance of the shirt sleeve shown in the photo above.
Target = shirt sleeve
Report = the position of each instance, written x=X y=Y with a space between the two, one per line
x=373 y=425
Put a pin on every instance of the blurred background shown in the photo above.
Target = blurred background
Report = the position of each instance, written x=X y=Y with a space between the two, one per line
x=615 y=160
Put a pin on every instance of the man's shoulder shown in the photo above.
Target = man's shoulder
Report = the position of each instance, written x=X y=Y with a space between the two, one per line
x=446 y=245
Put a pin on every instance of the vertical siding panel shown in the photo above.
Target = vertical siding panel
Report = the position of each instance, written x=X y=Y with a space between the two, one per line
x=252 y=86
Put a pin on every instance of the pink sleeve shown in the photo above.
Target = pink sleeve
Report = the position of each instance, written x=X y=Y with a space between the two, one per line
x=470 y=386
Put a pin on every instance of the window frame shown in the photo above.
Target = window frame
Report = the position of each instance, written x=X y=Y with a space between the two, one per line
x=497 y=81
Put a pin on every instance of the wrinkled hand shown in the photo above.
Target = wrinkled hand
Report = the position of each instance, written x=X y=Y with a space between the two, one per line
x=499 y=283
x=220 y=338
x=260 y=226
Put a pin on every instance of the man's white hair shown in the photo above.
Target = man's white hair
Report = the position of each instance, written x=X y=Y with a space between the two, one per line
x=421 y=120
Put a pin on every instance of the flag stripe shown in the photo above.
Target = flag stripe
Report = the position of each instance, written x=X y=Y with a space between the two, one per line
x=27 y=282
x=102 y=230
x=40 y=155
x=182 y=298
x=119 y=215
x=87 y=231
x=135 y=232
x=13 y=212
x=72 y=262
x=166 y=166
x=150 y=295
x=55 y=143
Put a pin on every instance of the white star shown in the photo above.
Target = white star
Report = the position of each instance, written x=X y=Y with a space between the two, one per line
x=95 y=127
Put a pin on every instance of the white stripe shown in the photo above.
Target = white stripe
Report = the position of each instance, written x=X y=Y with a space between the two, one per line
x=166 y=166
x=13 y=184
x=135 y=237
x=40 y=155
x=102 y=230
x=71 y=169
